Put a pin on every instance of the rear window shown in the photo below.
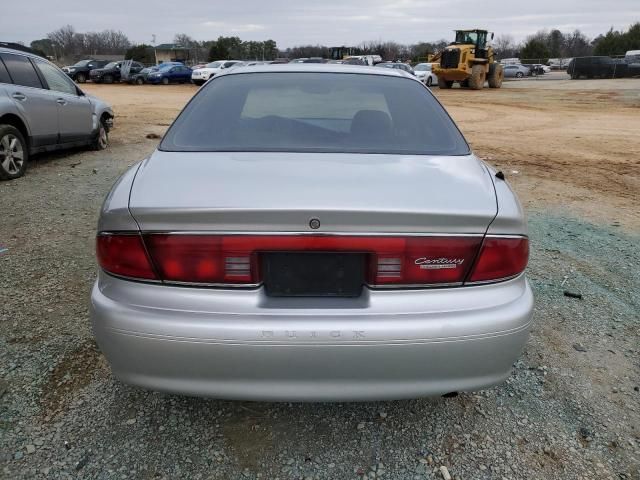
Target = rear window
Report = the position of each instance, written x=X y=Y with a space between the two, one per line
x=21 y=70
x=315 y=112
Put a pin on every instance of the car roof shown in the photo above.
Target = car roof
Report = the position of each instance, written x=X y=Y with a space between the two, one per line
x=18 y=51
x=318 y=68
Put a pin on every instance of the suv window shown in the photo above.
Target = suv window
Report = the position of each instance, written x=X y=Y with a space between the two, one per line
x=56 y=79
x=21 y=70
x=4 y=74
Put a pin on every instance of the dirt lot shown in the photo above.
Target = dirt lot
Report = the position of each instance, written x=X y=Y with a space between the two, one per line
x=570 y=410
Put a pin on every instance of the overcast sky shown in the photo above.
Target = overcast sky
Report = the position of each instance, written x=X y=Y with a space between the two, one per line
x=298 y=22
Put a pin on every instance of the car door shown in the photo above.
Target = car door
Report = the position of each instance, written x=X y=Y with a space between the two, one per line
x=75 y=113
x=36 y=104
x=184 y=74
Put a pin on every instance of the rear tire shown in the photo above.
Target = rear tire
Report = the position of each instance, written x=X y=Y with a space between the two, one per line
x=496 y=75
x=140 y=81
x=442 y=83
x=81 y=78
x=519 y=74
x=108 y=79
x=478 y=76
x=429 y=82
x=13 y=153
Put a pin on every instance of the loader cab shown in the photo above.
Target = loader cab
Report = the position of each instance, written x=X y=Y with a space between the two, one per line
x=477 y=38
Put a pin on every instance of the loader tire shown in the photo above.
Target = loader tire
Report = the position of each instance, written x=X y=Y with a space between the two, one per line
x=476 y=81
x=496 y=75
x=442 y=83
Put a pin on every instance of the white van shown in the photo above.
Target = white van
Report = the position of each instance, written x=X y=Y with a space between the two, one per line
x=632 y=56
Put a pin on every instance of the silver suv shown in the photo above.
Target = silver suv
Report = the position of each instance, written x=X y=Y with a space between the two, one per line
x=41 y=109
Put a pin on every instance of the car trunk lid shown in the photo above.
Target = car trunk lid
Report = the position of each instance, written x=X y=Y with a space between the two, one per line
x=284 y=192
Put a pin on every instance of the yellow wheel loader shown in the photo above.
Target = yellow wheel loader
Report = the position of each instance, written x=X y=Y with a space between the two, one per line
x=469 y=61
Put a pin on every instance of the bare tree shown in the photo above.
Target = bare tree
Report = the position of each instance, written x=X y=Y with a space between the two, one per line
x=505 y=46
x=66 y=41
x=62 y=40
x=185 y=40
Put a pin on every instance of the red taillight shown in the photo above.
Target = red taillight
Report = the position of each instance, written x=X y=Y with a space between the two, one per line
x=500 y=258
x=425 y=261
x=202 y=259
x=234 y=259
x=124 y=255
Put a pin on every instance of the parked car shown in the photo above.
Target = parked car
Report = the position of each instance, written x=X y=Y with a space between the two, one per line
x=41 y=109
x=597 y=67
x=309 y=60
x=80 y=70
x=632 y=56
x=111 y=72
x=535 y=69
x=397 y=65
x=140 y=78
x=354 y=61
x=558 y=63
x=369 y=60
x=170 y=74
x=425 y=75
x=200 y=75
x=517 y=71
x=312 y=232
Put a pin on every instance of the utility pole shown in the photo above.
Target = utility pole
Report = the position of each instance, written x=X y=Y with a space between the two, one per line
x=155 y=52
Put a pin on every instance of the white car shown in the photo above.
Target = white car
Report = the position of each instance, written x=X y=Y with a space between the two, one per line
x=425 y=75
x=201 y=75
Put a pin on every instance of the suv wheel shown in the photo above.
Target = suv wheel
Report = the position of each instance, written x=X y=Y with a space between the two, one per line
x=108 y=79
x=81 y=78
x=13 y=153
x=102 y=139
x=165 y=81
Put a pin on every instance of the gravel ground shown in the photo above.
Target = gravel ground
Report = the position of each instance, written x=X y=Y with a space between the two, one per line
x=570 y=409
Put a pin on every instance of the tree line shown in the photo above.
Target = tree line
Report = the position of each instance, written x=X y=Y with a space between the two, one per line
x=556 y=44
x=66 y=42
x=222 y=48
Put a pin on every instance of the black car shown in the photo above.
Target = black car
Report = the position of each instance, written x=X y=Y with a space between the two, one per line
x=111 y=72
x=598 y=67
x=80 y=71
x=140 y=78
x=534 y=69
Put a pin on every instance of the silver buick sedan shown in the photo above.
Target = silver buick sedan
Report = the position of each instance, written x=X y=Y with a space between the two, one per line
x=312 y=233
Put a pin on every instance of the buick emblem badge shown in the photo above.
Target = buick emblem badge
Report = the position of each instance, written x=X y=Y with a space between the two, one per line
x=314 y=223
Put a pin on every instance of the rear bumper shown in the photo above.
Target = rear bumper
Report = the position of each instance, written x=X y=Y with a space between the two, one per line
x=244 y=345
